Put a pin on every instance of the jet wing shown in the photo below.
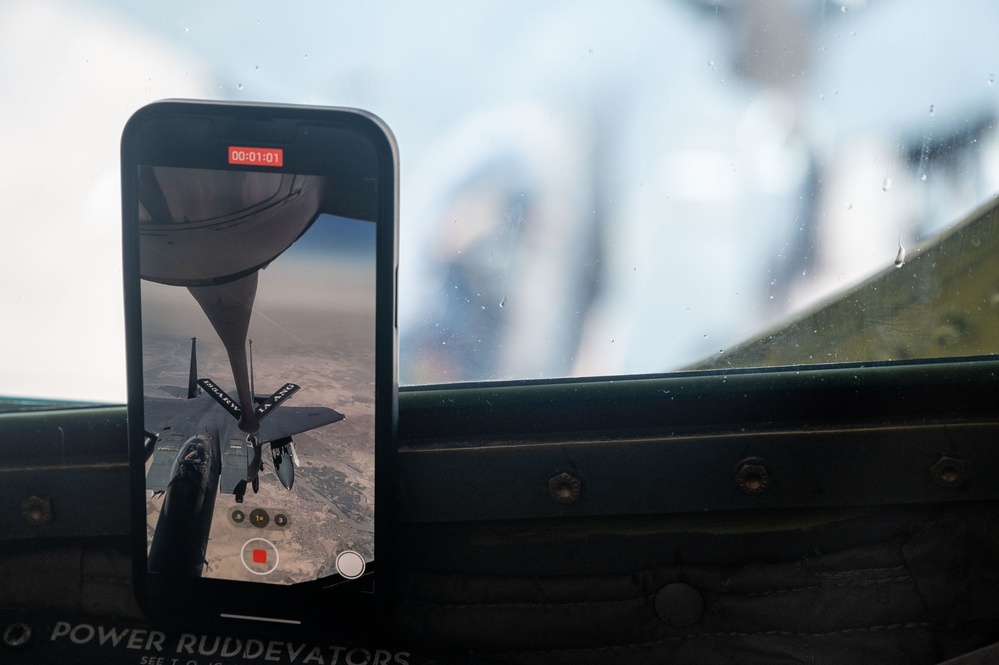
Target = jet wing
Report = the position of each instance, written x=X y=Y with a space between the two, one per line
x=289 y=420
x=176 y=391
x=158 y=412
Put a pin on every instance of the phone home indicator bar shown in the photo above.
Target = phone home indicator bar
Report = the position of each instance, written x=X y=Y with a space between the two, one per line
x=246 y=617
x=244 y=156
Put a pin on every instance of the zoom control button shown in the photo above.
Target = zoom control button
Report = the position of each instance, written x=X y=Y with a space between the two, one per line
x=259 y=518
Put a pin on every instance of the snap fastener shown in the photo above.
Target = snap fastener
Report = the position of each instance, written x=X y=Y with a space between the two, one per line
x=679 y=605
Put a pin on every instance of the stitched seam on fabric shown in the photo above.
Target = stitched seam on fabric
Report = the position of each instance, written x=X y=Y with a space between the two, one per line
x=583 y=603
x=681 y=638
x=843 y=631
x=472 y=606
x=813 y=587
x=851 y=573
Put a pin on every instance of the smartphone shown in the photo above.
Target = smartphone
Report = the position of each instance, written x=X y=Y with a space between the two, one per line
x=260 y=254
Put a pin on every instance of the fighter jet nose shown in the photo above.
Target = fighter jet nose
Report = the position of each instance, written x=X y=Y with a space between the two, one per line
x=284 y=468
x=285 y=471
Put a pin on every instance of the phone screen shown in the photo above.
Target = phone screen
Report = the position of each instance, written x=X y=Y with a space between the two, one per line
x=258 y=354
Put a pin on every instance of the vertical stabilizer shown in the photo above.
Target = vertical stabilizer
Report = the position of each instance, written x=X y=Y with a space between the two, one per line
x=193 y=390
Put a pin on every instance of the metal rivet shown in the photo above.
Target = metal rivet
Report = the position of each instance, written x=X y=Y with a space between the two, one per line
x=37 y=511
x=16 y=635
x=950 y=471
x=752 y=476
x=679 y=605
x=564 y=488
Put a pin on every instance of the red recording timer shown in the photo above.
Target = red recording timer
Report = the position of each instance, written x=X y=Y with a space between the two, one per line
x=256 y=156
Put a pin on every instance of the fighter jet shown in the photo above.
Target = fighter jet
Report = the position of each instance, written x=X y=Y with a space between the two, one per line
x=198 y=451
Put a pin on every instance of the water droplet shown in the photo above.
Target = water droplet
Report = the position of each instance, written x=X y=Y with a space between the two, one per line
x=975 y=242
x=886 y=184
x=711 y=63
x=991 y=80
x=306 y=56
x=900 y=257
x=849 y=207
x=842 y=8
x=187 y=29
x=612 y=340
x=256 y=68
x=932 y=112
x=923 y=177
x=503 y=302
x=239 y=86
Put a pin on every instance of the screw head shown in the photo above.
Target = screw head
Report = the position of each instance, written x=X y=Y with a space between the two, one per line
x=564 y=488
x=752 y=477
x=950 y=471
x=16 y=635
x=37 y=511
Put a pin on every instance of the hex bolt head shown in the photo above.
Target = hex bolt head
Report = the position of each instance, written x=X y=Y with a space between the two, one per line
x=37 y=511
x=752 y=477
x=564 y=488
x=950 y=471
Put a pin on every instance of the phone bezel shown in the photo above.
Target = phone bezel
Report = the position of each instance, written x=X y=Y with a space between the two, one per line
x=190 y=133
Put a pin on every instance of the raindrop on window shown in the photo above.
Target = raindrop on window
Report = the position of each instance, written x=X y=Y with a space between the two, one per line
x=900 y=257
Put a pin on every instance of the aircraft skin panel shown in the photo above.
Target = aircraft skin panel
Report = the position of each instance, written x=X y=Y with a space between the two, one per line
x=160 y=412
x=235 y=459
x=163 y=459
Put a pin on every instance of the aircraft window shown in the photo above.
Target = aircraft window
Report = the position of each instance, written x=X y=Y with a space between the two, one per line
x=598 y=189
